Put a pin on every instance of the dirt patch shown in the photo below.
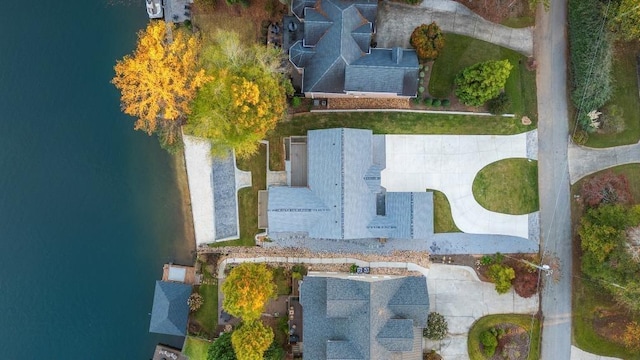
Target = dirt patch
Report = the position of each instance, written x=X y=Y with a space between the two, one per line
x=249 y=21
x=498 y=10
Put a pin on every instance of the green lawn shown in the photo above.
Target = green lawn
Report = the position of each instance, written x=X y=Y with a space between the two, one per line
x=487 y=322
x=508 y=186
x=207 y=315
x=196 y=349
x=391 y=123
x=442 y=219
x=281 y=278
x=461 y=52
x=591 y=301
x=520 y=22
x=625 y=97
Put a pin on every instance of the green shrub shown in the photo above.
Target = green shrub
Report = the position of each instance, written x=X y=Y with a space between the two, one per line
x=501 y=275
x=489 y=342
x=421 y=74
x=486 y=260
x=500 y=104
x=446 y=102
x=428 y=101
x=481 y=82
x=436 y=102
x=421 y=90
x=437 y=327
x=296 y=101
x=353 y=268
x=591 y=58
x=413 y=2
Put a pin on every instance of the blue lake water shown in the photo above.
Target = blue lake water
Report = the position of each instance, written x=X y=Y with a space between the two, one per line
x=89 y=209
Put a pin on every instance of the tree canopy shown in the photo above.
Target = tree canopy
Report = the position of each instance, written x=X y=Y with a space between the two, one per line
x=247 y=289
x=159 y=80
x=481 y=82
x=251 y=340
x=626 y=19
x=608 y=250
x=221 y=349
x=247 y=98
x=428 y=41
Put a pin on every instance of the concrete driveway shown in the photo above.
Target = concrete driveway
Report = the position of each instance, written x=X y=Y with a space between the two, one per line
x=396 y=21
x=449 y=163
x=458 y=294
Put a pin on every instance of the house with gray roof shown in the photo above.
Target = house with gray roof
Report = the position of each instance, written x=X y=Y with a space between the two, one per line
x=334 y=192
x=170 y=309
x=331 y=47
x=363 y=317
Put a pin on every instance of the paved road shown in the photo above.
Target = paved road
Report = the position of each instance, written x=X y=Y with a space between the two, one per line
x=550 y=50
x=584 y=161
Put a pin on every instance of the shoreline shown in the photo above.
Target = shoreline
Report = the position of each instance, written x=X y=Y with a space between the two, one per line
x=189 y=238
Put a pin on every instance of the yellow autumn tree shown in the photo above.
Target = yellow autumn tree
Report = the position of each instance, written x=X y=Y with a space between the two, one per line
x=247 y=98
x=247 y=289
x=159 y=80
x=251 y=340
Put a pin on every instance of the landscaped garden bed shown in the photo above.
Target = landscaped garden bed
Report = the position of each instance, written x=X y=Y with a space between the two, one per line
x=504 y=336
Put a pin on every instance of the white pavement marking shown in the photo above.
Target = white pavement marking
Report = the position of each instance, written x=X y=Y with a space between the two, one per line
x=449 y=163
x=199 y=174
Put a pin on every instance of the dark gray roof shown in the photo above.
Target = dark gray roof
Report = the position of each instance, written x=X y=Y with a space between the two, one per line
x=337 y=35
x=340 y=202
x=366 y=326
x=170 y=309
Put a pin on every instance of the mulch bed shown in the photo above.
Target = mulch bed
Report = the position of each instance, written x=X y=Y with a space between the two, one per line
x=497 y=10
x=513 y=345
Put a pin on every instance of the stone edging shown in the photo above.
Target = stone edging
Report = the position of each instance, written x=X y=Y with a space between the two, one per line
x=413 y=111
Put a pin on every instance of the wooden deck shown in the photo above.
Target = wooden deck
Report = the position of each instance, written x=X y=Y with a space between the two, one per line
x=190 y=277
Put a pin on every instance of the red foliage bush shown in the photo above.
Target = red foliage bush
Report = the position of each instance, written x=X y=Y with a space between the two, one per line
x=606 y=188
x=526 y=284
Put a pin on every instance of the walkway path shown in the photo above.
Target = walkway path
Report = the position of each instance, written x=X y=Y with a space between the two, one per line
x=396 y=21
x=450 y=163
x=584 y=161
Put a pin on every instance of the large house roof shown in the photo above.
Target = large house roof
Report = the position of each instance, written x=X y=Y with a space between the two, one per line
x=336 y=42
x=352 y=319
x=170 y=309
x=344 y=199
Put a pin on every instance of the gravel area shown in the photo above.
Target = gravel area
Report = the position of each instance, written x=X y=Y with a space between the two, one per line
x=224 y=194
x=417 y=257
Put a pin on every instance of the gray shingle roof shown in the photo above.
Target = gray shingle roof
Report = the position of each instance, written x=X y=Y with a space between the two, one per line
x=338 y=34
x=370 y=330
x=340 y=201
x=170 y=309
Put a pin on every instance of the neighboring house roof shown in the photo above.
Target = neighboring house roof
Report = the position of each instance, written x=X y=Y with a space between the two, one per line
x=344 y=199
x=170 y=309
x=336 y=55
x=363 y=319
